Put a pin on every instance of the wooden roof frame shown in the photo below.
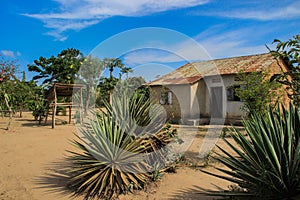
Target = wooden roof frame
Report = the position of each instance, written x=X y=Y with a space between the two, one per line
x=63 y=90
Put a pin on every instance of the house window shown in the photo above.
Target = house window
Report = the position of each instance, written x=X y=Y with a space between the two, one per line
x=231 y=93
x=166 y=98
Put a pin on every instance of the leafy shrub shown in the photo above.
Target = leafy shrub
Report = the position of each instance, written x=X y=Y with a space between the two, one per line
x=267 y=165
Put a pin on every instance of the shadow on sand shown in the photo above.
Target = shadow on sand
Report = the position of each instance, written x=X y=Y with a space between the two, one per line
x=195 y=192
x=33 y=123
x=55 y=180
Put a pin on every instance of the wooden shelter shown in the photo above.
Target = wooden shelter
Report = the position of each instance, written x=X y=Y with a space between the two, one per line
x=63 y=90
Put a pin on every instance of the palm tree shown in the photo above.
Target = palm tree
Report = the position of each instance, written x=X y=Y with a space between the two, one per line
x=126 y=70
x=112 y=63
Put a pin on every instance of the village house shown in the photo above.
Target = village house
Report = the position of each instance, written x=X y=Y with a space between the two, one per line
x=201 y=91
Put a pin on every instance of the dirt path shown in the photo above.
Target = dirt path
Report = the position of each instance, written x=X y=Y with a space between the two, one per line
x=29 y=153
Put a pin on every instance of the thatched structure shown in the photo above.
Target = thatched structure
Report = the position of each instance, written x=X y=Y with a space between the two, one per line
x=63 y=90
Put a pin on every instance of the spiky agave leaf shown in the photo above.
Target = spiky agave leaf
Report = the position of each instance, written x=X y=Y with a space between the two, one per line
x=139 y=117
x=117 y=149
x=135 y=114
x=110 y=161
x=267 y=164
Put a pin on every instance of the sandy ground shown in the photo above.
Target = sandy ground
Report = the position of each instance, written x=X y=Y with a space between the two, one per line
x=31 y=154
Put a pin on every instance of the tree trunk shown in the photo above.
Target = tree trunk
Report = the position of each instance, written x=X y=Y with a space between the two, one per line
x=10 y=118
x=9 y=109
x=21 y=112
x=40 y=118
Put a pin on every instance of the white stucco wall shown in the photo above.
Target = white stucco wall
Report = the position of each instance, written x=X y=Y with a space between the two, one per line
x=233 y=107
x=193 y=101
x=209 y=82
x=201 y=94
x=183 y=95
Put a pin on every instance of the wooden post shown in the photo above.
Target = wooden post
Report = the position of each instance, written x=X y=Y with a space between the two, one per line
x=47 y=112
x=54 y=107
x=70 y=114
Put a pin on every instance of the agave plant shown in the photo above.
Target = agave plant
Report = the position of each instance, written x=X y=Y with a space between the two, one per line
x=135 y=114
x=114 y=148
x=267 y=165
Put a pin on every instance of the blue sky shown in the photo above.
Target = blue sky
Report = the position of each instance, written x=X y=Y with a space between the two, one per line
x=31 y=28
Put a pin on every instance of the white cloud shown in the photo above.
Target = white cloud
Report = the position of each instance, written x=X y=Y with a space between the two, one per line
x=210 y=44
x=59 y=26
x=220 y=43
x=264 y=12
x=10 y=53
x=77 y=14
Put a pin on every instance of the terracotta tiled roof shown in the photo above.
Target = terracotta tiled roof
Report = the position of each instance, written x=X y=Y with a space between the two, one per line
x=192 y=72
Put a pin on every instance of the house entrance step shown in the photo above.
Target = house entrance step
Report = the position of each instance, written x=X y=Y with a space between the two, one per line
x=195 y=121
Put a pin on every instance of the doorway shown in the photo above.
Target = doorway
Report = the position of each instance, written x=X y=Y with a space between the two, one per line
x=216 y=105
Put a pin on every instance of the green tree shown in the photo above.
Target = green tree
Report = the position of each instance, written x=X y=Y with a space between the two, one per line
x=132 y=84
x=23 y=92
x=62 y=68
x=89 y=73
x=8 y=83
x=16 y=94
x=289 y=53
x=37 y=103
x=135 y=82
x=257 y=91
x=126 y=70
x=106 y=85
x=112 y=63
